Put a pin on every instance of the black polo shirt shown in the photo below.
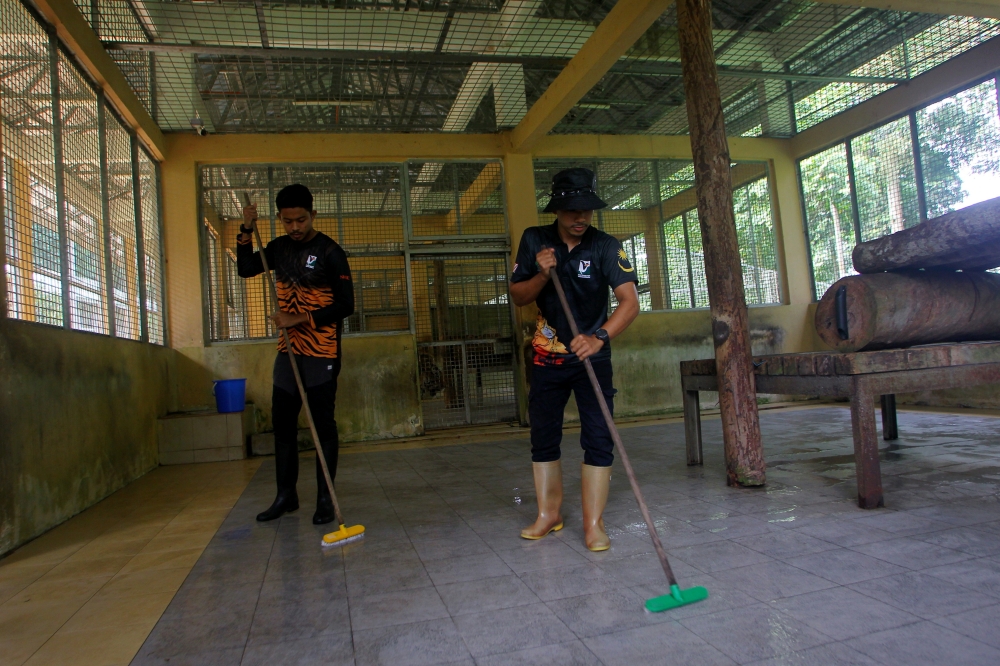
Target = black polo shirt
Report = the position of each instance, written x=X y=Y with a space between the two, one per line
x=597 y=263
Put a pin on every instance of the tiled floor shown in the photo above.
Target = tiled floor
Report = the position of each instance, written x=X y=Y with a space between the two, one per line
x=797 y=573
x=90 y=590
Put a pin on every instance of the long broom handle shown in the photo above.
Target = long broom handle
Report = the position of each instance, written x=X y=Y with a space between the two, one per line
x=615 y=436
x=295 y=371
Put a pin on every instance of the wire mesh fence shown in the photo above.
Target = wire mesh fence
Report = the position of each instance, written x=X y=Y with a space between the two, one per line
x=940 y=158
x=652 y=210
x=358 y=206
x=71 y=252
x=465 y=341
x=829 y=215
x=960 y=148
x=81 y=169
x=456 y=199
x=478 y=65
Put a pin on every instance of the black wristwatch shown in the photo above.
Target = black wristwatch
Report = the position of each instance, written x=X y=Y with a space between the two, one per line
x=245 y=230
x=602 y=335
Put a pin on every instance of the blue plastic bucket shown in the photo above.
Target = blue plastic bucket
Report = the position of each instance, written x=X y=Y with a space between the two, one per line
x=230 y=395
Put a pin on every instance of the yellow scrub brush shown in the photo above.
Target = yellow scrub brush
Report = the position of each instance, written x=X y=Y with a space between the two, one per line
x=344 y=534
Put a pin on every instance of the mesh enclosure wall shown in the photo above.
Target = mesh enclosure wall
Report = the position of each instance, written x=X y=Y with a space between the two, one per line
x=652 y=210
x=456 y=199
x=478 y=65
x=940 y=158
x=359 y=206
x=69 y=210
x=152 y=245
x=960 y=149
x=33 y=253
x=81 y=168
x=829 y=215
x=464 y=339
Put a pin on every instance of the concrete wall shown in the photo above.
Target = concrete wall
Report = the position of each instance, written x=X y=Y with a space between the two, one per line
x=77 y=421
x=377 y=394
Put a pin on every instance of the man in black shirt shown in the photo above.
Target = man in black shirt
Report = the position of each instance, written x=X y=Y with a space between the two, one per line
x=315 y=295
x=589 y=261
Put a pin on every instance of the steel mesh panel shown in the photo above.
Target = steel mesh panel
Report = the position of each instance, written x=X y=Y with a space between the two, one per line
x=885 y=180
x=306 y=65
x=652 y=210
x=238 y=308
x=359 y=206
x=677 y=260
x=138 y=71
x=33 y=254
x=869 y=186
x=124 y=248
x=755 y=233
x=456 y=199
x=149 y=192
x=914 y=44
x=960 y=149
x=83 y=206
x=826 y=192
x=464 y=339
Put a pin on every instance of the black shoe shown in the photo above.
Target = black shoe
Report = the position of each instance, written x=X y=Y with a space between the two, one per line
x=324 y=511
x=287 y=500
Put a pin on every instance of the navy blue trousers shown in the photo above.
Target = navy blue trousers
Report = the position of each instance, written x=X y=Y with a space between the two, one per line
x=550 y=389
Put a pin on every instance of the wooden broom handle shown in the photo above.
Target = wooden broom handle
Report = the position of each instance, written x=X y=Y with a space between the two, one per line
x=614 y=434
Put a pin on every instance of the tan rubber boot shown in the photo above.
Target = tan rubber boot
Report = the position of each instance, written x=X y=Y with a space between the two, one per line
x=594 y=482
x=549 y=489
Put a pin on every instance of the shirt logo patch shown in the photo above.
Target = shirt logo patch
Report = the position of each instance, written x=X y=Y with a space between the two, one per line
x=311 y=261
x=584 y=270
x=623 y=262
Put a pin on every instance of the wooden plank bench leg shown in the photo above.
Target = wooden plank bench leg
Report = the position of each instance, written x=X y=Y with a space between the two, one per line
x=890 y=427
x=865 y=444
x=692 y=427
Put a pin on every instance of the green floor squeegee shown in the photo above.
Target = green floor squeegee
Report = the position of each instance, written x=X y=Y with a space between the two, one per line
x=677 y=596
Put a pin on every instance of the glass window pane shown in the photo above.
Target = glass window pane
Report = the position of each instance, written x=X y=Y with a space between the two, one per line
x=885 y=180
x=675 y=256
x=960 y=149
x=33 y=265
x=83 y=206
x=827 y=194
x=755 y=231
x=121 y=204
x=149 y=192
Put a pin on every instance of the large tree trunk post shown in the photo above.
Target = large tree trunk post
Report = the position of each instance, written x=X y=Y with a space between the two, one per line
x=713 y=184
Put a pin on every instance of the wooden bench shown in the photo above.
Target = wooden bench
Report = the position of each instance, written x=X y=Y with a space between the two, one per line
x=859 y=376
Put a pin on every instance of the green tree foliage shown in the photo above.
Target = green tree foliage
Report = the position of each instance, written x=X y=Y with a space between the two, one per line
x=962 y=131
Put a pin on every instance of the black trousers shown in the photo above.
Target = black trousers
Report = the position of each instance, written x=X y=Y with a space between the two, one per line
x=285 y=408
x=550 y=389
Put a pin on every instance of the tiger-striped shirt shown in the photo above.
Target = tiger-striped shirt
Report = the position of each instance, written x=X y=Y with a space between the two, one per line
x=311 y=277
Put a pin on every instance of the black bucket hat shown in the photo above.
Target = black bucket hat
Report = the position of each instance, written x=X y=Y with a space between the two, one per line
x=574 y=189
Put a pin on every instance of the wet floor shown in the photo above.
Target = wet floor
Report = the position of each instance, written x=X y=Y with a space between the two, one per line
x=796 y=572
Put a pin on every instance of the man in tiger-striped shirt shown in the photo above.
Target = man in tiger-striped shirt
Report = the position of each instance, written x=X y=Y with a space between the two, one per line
x=315 y=295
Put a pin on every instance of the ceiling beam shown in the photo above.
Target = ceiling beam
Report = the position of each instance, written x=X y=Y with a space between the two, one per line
x=979 y=8
x=77 y=35
x=619 y=30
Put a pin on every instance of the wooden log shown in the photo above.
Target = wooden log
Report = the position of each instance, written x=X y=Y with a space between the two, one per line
x=713 y=185
x=888 y=310
x=967 y=239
